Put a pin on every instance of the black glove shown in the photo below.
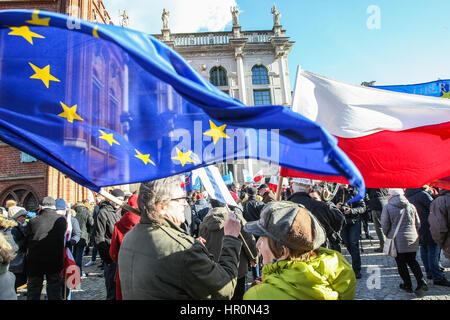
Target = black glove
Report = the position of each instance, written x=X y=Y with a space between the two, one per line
x=70 y=243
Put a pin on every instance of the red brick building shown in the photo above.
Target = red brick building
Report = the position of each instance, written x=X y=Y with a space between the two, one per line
x=22 y=177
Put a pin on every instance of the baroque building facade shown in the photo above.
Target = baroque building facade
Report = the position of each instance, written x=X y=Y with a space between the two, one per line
x=251 y=66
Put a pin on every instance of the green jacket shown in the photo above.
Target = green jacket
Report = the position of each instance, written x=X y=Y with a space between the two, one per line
x=327 y=277
x=163 y=262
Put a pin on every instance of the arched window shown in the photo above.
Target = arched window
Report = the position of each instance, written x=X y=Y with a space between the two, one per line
x=23 y=195
x=218 y=76
x=260 y=75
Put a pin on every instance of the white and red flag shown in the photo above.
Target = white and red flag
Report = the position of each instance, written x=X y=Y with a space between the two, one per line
x=71 y=272
x=273 y=183
x=259 y=176
x=396 y=140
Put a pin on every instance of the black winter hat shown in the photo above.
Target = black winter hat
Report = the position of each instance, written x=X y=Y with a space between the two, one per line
x=118 y=193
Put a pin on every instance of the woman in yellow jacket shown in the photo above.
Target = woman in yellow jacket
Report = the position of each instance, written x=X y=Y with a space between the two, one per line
x=295 y=266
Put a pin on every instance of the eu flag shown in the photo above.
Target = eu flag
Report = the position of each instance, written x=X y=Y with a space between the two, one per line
x=108 y=105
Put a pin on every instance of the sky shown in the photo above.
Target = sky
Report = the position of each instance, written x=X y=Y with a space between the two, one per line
x=391 y=42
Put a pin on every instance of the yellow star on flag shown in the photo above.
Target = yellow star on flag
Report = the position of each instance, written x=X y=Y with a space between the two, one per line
x=38 y=21
x=445 y=94
x=95 y=32
x=43 y=74
x=69 y=113
x=24 y=32
x=216 y=132
x=108 y=137
x=144 y=157
x=183 y=157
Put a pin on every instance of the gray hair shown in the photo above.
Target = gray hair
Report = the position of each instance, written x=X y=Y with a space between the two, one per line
x=299 y=187
x=48 y=207
x=157 y=191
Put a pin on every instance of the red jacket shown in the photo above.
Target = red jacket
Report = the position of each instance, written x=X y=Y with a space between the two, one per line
x=125 y=224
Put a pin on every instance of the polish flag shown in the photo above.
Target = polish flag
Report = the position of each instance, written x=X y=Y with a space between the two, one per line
x=396 y=140
x=259 y=176
x=273 y=183
x=71 y=272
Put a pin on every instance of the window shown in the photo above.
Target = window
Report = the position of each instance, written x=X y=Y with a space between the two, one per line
x=95 y=113
x=260 y=75
x=261 y=97
x=30 y=203
x=113 y=110
x=24 y=198
x=218 y=76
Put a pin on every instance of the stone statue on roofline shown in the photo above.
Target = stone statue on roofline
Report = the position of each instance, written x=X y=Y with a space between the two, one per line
x=235 y=15
x=276 y=16
x=124 y=18
x=165 y=19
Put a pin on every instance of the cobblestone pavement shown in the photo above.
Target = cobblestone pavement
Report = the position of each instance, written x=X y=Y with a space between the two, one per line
x=380 y=279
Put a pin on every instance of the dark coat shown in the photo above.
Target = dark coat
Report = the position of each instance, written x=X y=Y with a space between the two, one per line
x=252 y=208
x=104 y=228
x=356 y=208
x=328 y=215
x=85 y=220
x=201 y=208
x=163 y=262
x=211 y=229
x=45 y=243
x=377 y=198
x=422 y=201
x=439 y=220
x=18 y=263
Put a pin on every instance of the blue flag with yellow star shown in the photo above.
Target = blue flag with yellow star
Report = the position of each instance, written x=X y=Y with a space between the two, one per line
x=108 y=105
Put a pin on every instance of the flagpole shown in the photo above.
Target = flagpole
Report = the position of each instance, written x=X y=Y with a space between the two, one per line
x=296 y=84
x=240 y=234
x=121 y=203
x=279 y=187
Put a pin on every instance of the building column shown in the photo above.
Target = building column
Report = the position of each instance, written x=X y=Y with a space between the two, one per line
x=284 y=81
x=241 y=78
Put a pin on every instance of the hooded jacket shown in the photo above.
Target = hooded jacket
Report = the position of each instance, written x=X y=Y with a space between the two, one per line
x=377 y=198
x=85 y=220
x=439 y=220
x=327 y=277
x=422 y=201
x=407 y=239
x=211 y=229
x=163 y=262
x=104 y=228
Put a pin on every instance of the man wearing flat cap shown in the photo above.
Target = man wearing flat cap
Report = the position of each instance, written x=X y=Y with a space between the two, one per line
x=108 y=215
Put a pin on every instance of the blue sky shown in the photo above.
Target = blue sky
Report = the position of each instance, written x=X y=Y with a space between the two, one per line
x=331 y=37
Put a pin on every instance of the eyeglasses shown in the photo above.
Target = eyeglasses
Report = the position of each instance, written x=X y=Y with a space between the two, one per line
x=181 y=198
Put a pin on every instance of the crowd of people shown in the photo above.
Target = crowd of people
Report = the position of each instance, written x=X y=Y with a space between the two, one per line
x=189 y=246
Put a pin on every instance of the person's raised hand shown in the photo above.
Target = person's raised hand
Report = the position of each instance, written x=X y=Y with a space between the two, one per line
x=232 y=226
